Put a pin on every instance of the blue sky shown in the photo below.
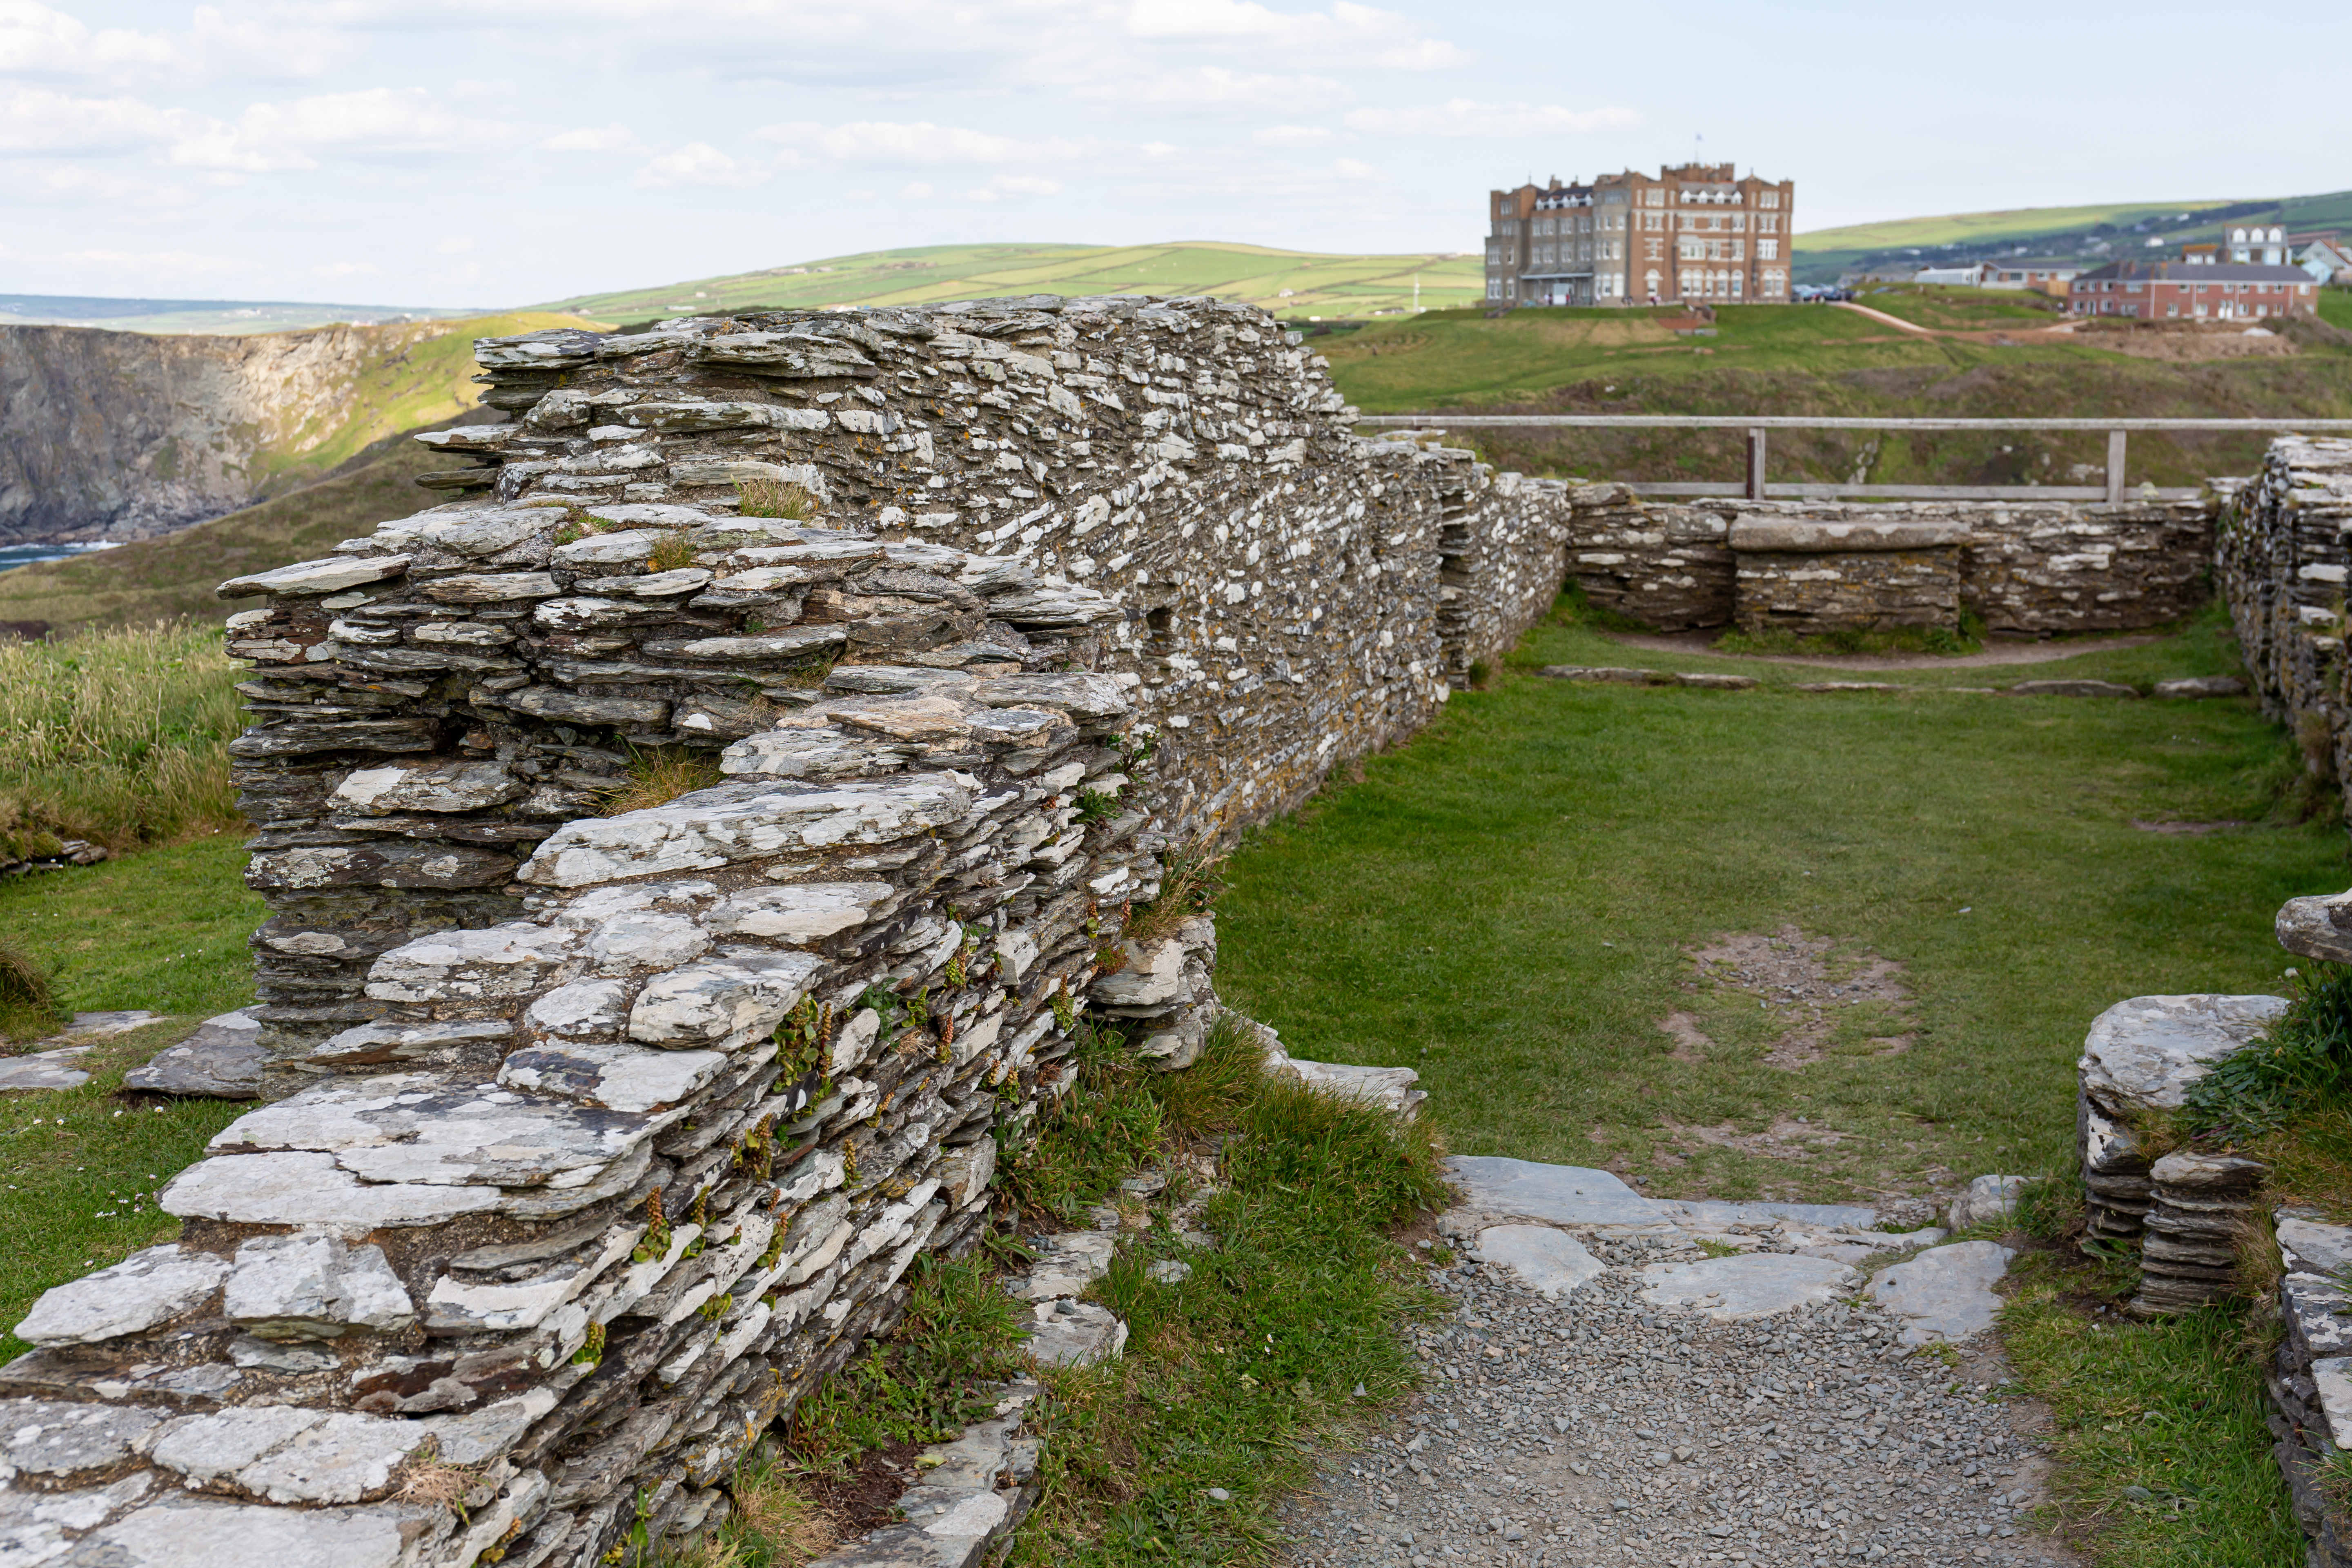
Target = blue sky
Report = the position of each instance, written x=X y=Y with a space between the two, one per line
x=456 y=152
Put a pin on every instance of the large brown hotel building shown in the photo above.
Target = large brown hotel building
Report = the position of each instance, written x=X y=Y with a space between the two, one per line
x=1697 y=232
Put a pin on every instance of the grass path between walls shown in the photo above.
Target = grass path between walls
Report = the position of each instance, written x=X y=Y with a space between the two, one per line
x=1511 y=903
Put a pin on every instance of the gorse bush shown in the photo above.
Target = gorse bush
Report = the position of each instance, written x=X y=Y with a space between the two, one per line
x=2303 y=1065
x=118 y=736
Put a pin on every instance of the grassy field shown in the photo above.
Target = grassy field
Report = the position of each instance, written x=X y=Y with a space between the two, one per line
x=1773 y=359
x=1292 y=283
x=164 y=930
x=1486 y=906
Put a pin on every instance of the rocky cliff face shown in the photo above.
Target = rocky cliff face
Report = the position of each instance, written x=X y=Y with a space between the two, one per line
x=125 y=436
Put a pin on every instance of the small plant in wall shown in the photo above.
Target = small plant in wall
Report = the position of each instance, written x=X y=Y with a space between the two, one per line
x=804 y=1039
x=655 y=1242
x=778 y=499
x=670 y=552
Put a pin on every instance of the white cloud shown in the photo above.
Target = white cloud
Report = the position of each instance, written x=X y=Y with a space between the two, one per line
x=1218 y=90
x=613 y=138
x=1353 y=169
x=1293 y=136
x=917 y=144
x=698 y=163
x=1462 y=116
x=35 y=120
x=1014 y=187
x=1359 y=32
x=455 y=245
x=37 y=43
x=378 y=122
x=344 y=268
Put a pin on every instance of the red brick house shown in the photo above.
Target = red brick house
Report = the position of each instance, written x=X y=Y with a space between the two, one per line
x=2193 y=290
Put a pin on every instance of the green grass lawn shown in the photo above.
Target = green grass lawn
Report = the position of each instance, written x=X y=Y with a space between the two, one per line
x=1507 y=905
x=165 y=932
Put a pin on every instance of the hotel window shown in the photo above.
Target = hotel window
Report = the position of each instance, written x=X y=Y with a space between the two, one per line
x=1767 y=250
x=1768 y=198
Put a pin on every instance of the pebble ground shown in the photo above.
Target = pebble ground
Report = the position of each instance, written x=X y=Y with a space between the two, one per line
x=1598 y=1431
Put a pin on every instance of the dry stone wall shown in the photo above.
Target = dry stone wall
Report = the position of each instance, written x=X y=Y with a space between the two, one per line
x=2025 y=569
x=2282 y=558
x=592 y=1139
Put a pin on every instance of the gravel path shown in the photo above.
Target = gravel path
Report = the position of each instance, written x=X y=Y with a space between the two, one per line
x=1597 y=1430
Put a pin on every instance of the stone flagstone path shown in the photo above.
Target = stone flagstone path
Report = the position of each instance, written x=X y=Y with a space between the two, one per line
x=1605 y=1393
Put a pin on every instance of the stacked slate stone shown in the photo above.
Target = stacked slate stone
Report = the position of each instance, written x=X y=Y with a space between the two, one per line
x=2199 y=1205
x=2025 y=568
x=602 y=1186
x=2142 y=1055
x=1667 y=567
x=1280 y=579
x=2310 y=1377
x=2280 y=556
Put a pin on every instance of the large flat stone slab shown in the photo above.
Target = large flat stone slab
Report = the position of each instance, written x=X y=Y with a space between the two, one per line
x=1946 y=1292
x=1760 y=1285
x=310 y=1189
x=222 y=1060
x=1549 y=1261
x=189 y=1533
x=2146 y=1052
x=1078 y=1333
x=1569 y=1196
x=144 y=1289
x=42 y=1070
x=410 y=1127
x=2312 y=1248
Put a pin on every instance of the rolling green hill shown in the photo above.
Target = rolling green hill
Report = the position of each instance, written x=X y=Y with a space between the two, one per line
x=2095 y=233
x=1293 y=283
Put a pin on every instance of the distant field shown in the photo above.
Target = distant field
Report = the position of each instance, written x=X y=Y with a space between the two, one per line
x=2017 y=221
x=1778 y=359
x=1288 y=282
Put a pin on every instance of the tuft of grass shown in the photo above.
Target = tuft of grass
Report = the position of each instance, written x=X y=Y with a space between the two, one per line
x=1190 y=879
x=2302 y=1063
x=2164 y=1459
x=118 y=736
x=28 y=1002
x=659 y=774
x=776 y=498
x=672 y=551
x=1234 y=1374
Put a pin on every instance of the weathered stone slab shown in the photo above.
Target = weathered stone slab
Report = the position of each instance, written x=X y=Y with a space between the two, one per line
x=144 y=1289
x=736 y=994
x=1569 y=1196
x=716 y=827
x=1072 y=1333
x=291 y=1456
x=616 y=1077
x=2317 y=927
x=52 y=1438
x=395 y=1042
x=1714 y=1214
x=1086 y=698
x=510 y=960
x=1806 y=536
x=40 y=1071
x=427 y=787
x=313 y=1287
x=2315 y=1248
x=1757 y=1285
x=1068 y=1263
x=2201 y=686
x=1549 y=1261
x=305 y=577
x=310 y=1189
x=2146 y=1052
x=413 y=1128
x=222 y=1060
x=1946 y=1292
x=800 y=911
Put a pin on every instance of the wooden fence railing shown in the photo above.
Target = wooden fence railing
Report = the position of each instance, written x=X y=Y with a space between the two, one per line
x=1753 y=484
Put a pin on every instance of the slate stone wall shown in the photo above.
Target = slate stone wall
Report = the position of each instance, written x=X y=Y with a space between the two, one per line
x=2026 y=569
x=596 y=1138
x=2281 y=557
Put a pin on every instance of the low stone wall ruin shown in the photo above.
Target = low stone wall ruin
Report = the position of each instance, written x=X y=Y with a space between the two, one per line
x=593 y=1140
x=2025 y=569
x=2282 y=556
